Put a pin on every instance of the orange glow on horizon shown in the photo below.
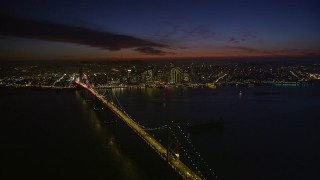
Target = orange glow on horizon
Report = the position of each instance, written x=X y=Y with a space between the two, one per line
x=131 y=54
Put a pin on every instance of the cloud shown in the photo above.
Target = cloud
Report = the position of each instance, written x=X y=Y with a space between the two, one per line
x=275 y=52
x=242 y=38
x=241 y=48
x=19 y=27
x=233 y=40
x=253 y=51
x=202 y=32
x=174 y=32
x=151 y=51
x=249 y=35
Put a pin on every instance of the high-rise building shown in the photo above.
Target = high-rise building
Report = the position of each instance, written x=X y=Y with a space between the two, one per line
x=175 y=75
x=192 y=73
x=80 y=74
x=147 y=76
x=185 y=77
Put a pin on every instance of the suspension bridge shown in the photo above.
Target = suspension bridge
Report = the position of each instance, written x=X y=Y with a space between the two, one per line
x=170 y=154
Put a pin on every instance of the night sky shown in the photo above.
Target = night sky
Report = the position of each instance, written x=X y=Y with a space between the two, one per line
x=105 y=29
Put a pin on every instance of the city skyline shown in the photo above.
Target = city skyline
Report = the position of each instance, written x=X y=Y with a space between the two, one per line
x=160 y=89
x=108 y=30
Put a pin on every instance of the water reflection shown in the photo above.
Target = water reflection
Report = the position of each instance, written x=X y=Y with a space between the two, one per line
x=108 y=140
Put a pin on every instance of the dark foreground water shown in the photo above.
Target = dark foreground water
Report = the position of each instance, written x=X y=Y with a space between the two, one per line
x=269 y=133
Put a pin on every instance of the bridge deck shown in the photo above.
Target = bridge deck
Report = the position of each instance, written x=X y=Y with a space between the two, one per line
x=176 y=164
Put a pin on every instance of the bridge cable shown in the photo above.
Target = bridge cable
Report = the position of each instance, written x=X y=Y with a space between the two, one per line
x=185 y=151
x=114 y=99
x=196 y=152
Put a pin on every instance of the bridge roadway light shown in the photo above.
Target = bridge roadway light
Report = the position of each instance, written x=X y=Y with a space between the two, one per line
x=177 y=155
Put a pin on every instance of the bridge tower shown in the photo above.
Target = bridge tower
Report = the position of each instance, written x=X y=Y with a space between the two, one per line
x=80 y=74
x=173 y=144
